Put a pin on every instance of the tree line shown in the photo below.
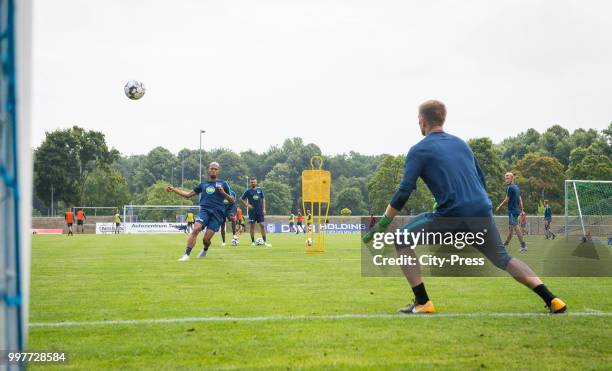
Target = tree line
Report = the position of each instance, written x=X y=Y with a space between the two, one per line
x=75 y=167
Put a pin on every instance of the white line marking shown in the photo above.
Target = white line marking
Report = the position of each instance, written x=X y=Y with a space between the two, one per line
x=591 y=310
x=307 y=317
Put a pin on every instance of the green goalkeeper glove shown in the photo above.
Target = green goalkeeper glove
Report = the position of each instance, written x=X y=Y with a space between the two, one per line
x=380 y=227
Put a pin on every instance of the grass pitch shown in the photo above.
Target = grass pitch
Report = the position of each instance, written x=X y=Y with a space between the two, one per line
x=130 y=305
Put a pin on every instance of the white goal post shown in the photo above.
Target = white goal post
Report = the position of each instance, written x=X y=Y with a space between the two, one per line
x=588 y=208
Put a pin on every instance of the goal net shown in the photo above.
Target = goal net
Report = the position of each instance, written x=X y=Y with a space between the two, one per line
x=158 y=213
x=588 y=208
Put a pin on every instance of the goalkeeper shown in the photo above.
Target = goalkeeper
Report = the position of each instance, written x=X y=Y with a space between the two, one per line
x=452 y=174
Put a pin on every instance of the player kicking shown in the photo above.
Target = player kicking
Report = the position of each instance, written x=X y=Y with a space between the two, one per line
x=230 y=214
x=547 y=219
x=452 y=174
x=212 y=209
x=257 y=209
x=515 y=210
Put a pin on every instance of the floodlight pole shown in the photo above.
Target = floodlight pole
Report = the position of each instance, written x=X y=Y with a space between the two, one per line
x=182 y=169
x=201 y=132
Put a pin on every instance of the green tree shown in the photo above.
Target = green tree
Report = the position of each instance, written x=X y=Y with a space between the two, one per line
x=351 y=198
x=64 y=161
x=589 y=164
x=384 y=182
x=514 y=148
x=157 y=195
x=106 y=188
x=491 y=163
x=278 y=197
x=556 y=142
x=540 y=177
x=280 y=173
x=233 y=169
x=159 y=164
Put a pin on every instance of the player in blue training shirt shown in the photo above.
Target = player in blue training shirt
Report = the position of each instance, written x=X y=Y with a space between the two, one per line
x=230 y=214
x=452 y=174
x=547 y=219
x=255 y=200
x=515 y=209
x=212 y=209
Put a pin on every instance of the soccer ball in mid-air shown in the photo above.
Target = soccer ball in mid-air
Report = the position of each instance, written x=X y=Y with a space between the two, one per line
x=235 y=241
x=309 y=242
x=134 y=89
x=259 y=241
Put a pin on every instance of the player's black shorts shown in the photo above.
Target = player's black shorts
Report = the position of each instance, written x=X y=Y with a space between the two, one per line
x=256 y=217
x=69 y=224
x=493 y=247
x=290 y=224
x=79 y=222
x=189 y=224
x=547 y=223
x=117 y=224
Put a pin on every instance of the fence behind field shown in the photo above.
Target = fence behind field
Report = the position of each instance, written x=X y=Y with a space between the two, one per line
x=278 y=223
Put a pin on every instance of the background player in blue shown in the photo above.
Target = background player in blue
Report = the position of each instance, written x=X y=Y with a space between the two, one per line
x=230 y=213
x=515 y=209
x=212 y=209
x=254 y=199
x=547 y=220
x=452 y=174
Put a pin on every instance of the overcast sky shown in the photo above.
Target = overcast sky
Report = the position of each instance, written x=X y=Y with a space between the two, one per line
x=346 y=75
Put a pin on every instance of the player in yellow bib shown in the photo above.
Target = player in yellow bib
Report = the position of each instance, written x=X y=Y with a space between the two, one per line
x=117 y=220
x=292 y=222
x=190 y=219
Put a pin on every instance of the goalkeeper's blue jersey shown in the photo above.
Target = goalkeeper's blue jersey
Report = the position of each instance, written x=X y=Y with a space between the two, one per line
x=452 y=174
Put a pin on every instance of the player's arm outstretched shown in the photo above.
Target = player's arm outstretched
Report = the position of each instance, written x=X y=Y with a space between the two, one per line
x=180 y=192
x=412 y=171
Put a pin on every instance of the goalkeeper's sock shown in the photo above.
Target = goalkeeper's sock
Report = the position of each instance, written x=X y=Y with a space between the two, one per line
x=253 y=239
x=264 y=237
x=188 y=250
x=420 y=294
x=546 y=295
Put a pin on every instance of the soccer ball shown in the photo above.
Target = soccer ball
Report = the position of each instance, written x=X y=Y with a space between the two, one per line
x=309 y=242
x=134 y=89
x=235 y=241
x=259 y=241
